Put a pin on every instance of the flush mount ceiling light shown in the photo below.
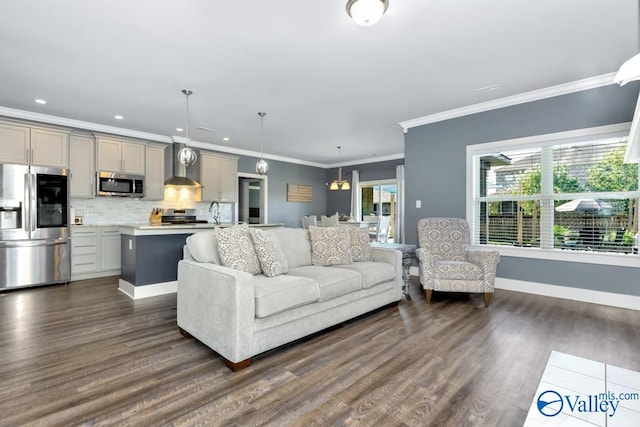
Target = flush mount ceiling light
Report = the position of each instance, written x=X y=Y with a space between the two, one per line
x=366 y=12
x=186 y=155
x=629 y=71
x=40 y=101
x=339 y=184
x=262 y=167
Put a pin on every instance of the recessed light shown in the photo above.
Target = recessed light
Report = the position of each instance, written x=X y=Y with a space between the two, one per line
x=118 y=117
x=179 y=129
x=40 y=101
x=226 y=138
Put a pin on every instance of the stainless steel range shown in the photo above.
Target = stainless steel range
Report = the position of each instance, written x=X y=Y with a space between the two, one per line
x=34 y=226
x=173 y=216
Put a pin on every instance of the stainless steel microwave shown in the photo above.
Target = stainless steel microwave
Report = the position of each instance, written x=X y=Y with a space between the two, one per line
x=119 y=184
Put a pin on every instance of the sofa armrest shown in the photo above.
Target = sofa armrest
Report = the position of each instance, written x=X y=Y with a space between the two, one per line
x=393 y=257
x=216 y=305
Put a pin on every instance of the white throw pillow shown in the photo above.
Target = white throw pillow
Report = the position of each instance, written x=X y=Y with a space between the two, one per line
x=236 y=249
x=359 y=242
x=203 y=246
x=270 y=255
x=329 y=245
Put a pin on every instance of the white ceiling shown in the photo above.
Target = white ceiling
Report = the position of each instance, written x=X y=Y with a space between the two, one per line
x=322 y=80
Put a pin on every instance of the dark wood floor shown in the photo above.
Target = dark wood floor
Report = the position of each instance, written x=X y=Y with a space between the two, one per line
x=85 y=354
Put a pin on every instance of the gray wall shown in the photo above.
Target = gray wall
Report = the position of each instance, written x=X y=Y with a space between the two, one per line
x=340 y=201
x=435 y=172
x=280 y=174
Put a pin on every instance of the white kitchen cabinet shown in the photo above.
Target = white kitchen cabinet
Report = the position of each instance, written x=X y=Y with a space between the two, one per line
x=116 y=155
x=27 y=145
x=82 y=166
x=95 y=251
x=219 y=177
x=110 y=249
x=154 y=172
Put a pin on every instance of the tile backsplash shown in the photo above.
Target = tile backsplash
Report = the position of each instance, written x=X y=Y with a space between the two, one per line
x=116 y=210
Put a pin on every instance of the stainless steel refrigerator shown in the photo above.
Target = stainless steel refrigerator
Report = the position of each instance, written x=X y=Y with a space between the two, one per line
x=34 y=226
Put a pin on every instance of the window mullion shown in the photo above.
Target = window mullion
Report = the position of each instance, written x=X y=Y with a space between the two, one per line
x=546 y=202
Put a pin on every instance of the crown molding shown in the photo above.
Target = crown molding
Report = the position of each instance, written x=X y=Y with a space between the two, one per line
x=522 y=98
x=79 y=124
x=366 y=161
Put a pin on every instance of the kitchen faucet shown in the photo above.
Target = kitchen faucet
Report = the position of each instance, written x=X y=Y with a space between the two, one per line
x=216 y=214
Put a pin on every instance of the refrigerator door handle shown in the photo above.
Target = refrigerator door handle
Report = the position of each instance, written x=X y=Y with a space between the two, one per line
x=27 y=201
x=29 y=243
x=33 y=202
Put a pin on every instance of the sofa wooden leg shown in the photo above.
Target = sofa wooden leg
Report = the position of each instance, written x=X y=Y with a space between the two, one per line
x=238 y=366
x=185 y=333
x=487 y=298
x=429 y=294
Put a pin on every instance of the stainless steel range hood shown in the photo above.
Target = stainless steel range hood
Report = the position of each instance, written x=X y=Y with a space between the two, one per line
x=179 y=177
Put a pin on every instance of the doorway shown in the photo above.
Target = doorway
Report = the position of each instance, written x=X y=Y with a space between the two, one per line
x=378 y=199
x=252 y=198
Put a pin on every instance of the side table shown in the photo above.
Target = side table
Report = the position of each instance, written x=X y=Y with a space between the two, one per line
x=408 y=253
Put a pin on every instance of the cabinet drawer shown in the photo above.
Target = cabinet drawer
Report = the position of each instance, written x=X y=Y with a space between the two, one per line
x=82 y=250
x=83 y=263
x=110 y=231
x=85 y=231
x=83 y=242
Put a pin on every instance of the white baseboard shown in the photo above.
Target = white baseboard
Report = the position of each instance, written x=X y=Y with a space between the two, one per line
x=630 y=302
x=146 y=291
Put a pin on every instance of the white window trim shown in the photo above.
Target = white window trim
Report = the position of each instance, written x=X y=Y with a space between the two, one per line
x=613 y=259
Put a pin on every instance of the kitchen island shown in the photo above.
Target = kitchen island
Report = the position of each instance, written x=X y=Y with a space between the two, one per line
x=150 y=255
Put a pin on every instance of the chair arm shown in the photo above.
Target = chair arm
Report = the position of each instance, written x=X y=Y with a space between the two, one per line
x=427 y=269
x=216 y=305
x=489 y=261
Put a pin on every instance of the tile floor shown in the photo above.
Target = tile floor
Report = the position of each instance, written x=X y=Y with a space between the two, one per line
x=579 y=392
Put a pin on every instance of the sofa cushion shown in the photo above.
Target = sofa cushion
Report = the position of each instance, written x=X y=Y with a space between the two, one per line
x=277 y=294
x=203 y=246
x=329 y=246
x=236 y=249
x=270 y=255
x=295 y=244
x=372 y=273
x=333 y=282
x=457 y=270
x=359 y=243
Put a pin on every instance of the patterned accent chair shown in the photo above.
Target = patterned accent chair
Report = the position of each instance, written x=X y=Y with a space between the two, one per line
x=446 y=262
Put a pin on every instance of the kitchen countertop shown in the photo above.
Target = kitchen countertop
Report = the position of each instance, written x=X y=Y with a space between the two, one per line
x=146 y=229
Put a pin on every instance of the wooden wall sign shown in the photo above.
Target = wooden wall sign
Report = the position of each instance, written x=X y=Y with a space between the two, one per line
x=299 y=193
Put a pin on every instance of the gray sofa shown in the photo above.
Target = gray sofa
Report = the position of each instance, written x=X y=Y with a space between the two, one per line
x=240 y=315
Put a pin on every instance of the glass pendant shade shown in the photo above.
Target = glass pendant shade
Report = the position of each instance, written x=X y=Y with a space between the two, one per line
x=187 y=156
x=366 y=12
x=262 y=167
x=334 y=185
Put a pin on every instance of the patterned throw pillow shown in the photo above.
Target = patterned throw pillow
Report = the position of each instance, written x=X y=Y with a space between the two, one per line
x=359 y=242
x=236 y=249
x=270 y=255
x=329 y=246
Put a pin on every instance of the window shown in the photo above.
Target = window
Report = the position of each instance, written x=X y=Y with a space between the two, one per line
x=378 y=198
x=569 y=192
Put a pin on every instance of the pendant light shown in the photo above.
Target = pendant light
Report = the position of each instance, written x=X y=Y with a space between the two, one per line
x=186 y=155
x=262 y=167
x=366 y=12
x=339 y=184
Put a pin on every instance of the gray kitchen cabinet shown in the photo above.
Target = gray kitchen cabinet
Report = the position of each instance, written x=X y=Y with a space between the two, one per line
x=36 y=146
x=110 y=249
x=154 y=172
x=115 y=155
x=82 y=166
x=95 y=251
x=219 y=176
x=84 y=252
